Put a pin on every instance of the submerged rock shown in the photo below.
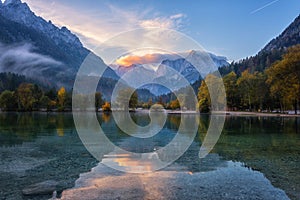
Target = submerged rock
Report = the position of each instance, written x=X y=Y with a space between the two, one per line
x=46 y=187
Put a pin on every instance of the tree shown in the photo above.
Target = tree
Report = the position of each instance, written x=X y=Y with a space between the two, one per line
x=52 y=94
x=61 y=95
x=150 y=102
x=190 y=102
x=204 y=102
x=174 y=104
x=160 y=100
x=8 y=100
x=98 y=100
x=230 y=83
x=37 y=94
x=80 y=102
x=25 y=96
x=284 y=79
x=106 y=107
x=133 y=102
x=252 y=89
x=261 y=90
x=45 y=102
x=124 y=102
x=211 y=94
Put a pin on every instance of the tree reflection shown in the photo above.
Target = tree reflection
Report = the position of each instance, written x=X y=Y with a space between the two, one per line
x=16 y=128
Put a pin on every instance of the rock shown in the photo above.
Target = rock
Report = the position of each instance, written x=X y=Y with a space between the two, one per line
x=46 y=187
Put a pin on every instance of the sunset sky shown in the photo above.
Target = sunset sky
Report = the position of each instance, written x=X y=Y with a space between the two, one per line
x=230 y=28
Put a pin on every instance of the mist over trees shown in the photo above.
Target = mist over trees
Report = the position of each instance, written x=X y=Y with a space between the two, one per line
x=277 y=87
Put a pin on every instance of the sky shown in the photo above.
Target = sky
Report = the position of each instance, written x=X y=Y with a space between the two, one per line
x=232 y=28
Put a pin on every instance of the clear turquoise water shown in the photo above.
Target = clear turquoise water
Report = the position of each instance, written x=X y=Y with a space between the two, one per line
x=35 y=147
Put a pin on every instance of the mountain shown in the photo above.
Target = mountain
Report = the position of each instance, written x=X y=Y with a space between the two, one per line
x=31 y=46
x=172 y=70
x=271 y=53
x=289 y=37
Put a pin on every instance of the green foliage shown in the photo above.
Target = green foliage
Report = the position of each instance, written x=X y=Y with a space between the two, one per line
x=230 y=83
x=25 y=93
x=122 y=98
x=204 y=98
x=45 y=102
x=252 y=89
x=8 y=101
x=52 y=94
x=133 y=102
x=98 y=100
x=187 y=99
x=258 y=63
x=11 y=81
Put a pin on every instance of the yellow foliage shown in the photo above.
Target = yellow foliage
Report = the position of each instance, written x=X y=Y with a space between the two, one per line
x=61 y=95
x=106 y=107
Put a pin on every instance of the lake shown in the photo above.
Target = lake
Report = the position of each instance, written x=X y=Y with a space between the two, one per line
x=254 y=158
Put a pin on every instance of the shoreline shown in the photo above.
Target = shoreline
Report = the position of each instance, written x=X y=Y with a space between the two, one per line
x=257 y=114
x=227 y=113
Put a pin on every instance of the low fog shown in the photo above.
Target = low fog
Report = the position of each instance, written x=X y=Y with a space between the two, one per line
x=23 y=59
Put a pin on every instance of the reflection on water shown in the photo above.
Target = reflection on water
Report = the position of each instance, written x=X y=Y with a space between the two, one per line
x=17 y=128
x=154 y=152
x=35 y=147
x=233 y=181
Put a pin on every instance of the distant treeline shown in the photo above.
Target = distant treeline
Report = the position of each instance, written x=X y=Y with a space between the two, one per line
x=272 y=85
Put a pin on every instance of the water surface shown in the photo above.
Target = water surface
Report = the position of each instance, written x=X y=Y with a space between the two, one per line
x=255 y=157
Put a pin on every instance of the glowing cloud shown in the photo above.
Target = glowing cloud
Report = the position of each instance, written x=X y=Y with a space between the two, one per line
x=127 y=61
x=151 y=58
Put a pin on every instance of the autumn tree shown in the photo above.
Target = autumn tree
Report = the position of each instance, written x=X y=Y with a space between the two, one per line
x=61 y=95
x=284 y=79
x=106 y=107
x=211 y=95
x=174 y=104
x=25 y=96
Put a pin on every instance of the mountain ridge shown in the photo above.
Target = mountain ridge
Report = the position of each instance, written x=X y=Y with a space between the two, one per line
x=41 y=41
x=269 y=54
x=172 y=68
x=289 y=37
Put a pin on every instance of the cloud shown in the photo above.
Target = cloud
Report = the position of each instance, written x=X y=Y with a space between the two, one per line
x=155 y=58
x=134 y=59
x=96 y=26
x=177 y=16
x=21 y=59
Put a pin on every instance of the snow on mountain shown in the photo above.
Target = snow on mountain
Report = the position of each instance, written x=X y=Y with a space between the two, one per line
x=193 y=66
x=20 y=12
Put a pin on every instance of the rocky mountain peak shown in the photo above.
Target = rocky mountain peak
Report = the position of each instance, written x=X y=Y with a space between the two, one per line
x=7 y=2
x=19 y=12
x=289 y=37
